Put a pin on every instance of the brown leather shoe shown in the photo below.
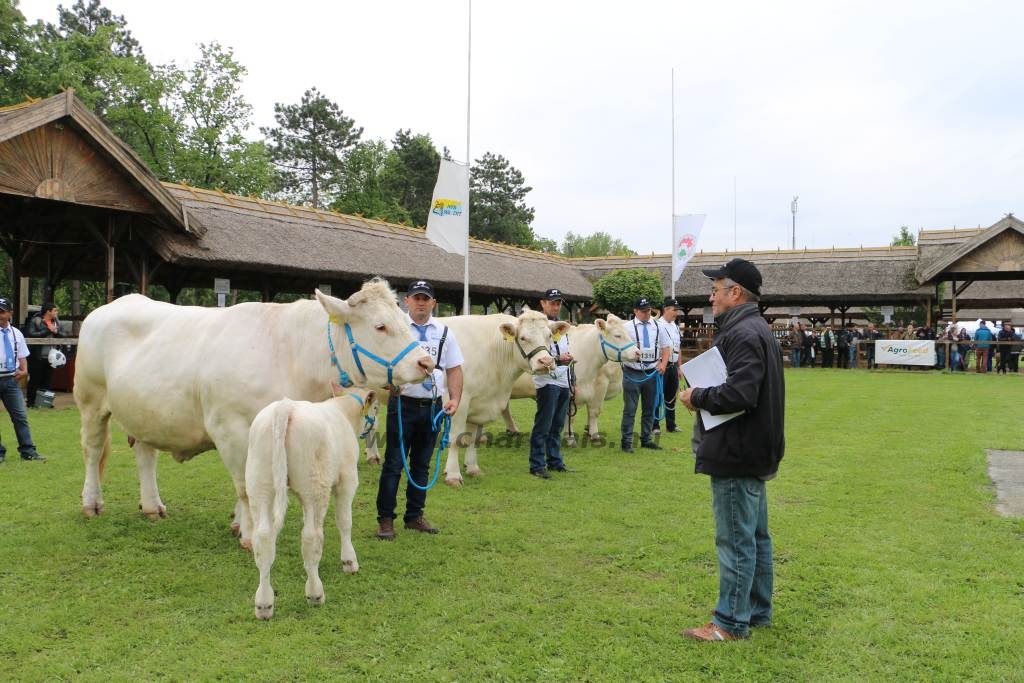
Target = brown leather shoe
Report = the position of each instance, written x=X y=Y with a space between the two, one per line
x=710 y=632
x=421 y=524
x=386 y=532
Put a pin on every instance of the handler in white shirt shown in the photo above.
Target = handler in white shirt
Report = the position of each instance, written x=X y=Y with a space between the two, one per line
x=655 y=349
x=669 y=327
x=553 y=396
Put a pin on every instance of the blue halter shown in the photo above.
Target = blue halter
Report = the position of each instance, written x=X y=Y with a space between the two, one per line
x=343 y=377
x=605 y=345
x=368 y=420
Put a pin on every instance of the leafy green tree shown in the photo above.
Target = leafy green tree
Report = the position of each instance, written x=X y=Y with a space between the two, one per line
x=363 y=181
x=309 y=147
x=14 y=44
x=618 y=290
x=497 y=210
x=214 y=115
x=545 y=245
x=595 y=244
x=411 y=174
x=904 y=239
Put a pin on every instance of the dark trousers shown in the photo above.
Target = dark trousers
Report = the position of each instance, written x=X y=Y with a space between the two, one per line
x=844 y=357
x=644 y=393
x=419 y=437
x=546 y=437
x=14 y=402
x=1006 y=362
x=670 y=393
x=826 y=358
x=40 y=372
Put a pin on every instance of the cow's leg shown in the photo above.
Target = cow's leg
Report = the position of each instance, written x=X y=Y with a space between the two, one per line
x=372 y=441
x=344 y=493
x=149 y=496
x=510 y=422
x=459 y=437
x=264 y=550
x=594 y=412
x=472 y=466
x=233 y=445
x=313 y=513
x=95 y=432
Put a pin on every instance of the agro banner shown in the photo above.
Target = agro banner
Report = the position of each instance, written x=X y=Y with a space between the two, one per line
x=685 y=233
x=905 y=352
x=448 y=221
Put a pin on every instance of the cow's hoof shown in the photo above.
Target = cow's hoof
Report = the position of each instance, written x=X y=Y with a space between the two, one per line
x=236 y=529
x=454 y=482
x=571 y=443
x=159 y=513
x=374 y=460
x=131 y=441
x=92 y=510
x=474 y=472
x=349 y=566
x=315 y=600
x=246 y=544
x=512 y=432
x=264 y=612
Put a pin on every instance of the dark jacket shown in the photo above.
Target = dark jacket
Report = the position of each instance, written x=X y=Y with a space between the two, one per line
x=37 y=328
x=751 y=445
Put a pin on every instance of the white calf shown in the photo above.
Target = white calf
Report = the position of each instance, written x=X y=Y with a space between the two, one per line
x=310 y=448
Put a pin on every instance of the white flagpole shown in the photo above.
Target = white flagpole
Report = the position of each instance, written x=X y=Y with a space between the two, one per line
x=672 y=222
x=469 y=158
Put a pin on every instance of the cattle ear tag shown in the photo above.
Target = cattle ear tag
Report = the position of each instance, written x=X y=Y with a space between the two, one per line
x=334 y=319
x=509 y=337
x=556 y=337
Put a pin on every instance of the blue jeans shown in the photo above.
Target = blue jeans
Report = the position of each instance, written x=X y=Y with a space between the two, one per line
x=745 y=575
x=794 y=357
x=419 y=438
x=546 y=437
x=646 y=394
x=14 y=402
x=853 y=355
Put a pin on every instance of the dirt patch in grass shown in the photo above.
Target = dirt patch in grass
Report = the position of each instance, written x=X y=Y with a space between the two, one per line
x=1006 y=470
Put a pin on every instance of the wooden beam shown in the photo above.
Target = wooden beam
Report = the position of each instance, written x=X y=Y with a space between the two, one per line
x=109 y=241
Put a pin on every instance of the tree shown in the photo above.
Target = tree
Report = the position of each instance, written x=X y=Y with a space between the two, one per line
x=545 y=245
x=618 y=290
x=904 y=239
x=596 y=244
x=14 y=44
x=213 y=115
x=363 y=183
x=309 y=146
x=411 y=174
x=497 y=210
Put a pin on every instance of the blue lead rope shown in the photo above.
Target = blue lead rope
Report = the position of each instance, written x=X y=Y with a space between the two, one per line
x=659 y=387
x=439 y=421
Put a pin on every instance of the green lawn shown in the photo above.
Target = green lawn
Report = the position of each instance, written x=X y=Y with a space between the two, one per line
x=891 y=563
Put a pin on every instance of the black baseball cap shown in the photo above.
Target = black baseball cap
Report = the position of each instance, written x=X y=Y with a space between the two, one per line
x=5 y=305
x=670 y=301
x=643 y=304
x=553 y=295
x=421 y=287
x=740 y=271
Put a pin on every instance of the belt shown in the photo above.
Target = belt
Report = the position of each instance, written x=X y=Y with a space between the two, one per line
x=6 y=376
x=420 y=402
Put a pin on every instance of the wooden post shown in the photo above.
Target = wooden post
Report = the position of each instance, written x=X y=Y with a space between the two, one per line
x=110 y=258
x=952 y=292
x=76 y=305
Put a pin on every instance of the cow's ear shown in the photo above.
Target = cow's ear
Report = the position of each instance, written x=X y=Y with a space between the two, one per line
x=526 y=309
x=370 y=403
x=508 y=331
x=558 y=329
x=612 y=318
x=336 y=308
x=601 y=325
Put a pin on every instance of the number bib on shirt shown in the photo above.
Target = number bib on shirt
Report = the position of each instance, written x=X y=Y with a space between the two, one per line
x=648 y=355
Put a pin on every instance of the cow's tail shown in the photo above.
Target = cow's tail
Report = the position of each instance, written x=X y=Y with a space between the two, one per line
x=279 y=461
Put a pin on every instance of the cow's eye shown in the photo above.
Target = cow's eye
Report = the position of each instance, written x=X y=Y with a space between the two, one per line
x=380 y=327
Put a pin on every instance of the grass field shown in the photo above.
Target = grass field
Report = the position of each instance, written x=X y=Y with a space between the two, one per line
x=890 y=561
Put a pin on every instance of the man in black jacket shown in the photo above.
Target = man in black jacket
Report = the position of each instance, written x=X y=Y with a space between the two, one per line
x=741 y=454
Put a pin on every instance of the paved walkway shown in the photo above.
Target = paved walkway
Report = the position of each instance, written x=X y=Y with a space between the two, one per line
x=1006 y=469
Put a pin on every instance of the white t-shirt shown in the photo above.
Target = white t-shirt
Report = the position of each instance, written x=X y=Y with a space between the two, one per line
x=19 y=346
x=451 y=357
x=672 y=330
x=656 y=340
x=560 y=375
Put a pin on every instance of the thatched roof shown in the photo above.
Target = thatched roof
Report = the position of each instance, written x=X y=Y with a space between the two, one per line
x=964 y=254
x=271 y=237
x=863 y=276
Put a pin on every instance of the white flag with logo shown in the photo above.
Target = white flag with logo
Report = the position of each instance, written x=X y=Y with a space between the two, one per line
x=448 y=221
x=685 y=233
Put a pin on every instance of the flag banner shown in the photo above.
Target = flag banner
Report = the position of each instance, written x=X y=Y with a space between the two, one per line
x=685 y=232
x=904 y=352
x=448 y=221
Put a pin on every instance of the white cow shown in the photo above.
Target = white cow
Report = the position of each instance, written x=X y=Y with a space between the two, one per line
x=185 y=379
x=497 y=349
x=312 y=449
x=592 y=347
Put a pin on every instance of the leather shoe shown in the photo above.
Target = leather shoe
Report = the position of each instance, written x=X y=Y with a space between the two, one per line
x=543 y=474
x=627 y=448
x=33 y=456
x=651 y=445
x=711 y=633
x=563 y=468
x=421 y=524
x=676 y=430
x=386 y=530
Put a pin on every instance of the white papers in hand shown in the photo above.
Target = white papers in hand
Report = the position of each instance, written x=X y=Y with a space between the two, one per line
x=705 y=371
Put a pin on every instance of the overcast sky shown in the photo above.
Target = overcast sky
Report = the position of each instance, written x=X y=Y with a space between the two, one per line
x=877 y=114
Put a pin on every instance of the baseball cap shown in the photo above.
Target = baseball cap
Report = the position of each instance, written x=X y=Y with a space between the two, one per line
x=421 y=287
x=670 y=301
x=740 y=271
x=5 y=305
x=643 y=304
x=553 y=295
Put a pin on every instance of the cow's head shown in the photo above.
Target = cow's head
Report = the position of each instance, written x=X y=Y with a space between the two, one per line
x=530 y=336
x=375 y=326
x=615 y=342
